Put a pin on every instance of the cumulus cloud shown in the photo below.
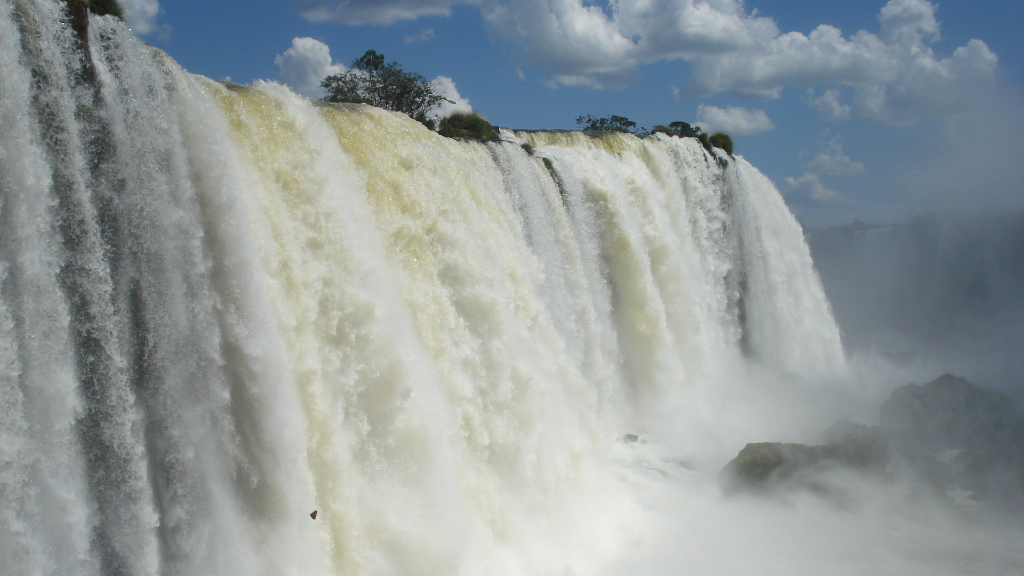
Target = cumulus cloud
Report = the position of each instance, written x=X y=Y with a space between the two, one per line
x=829 y=104
x=425 y=35
x=890 y=76
x=737 y=121
x=893 y=76
x=308 y=61
x=809 y=188
x=373 y=11
x=832 y=161
x=445 y=86
x=140 y=15
x=576 y=44
x=305 y=65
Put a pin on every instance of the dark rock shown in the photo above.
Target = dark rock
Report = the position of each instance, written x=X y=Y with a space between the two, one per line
x=963 y=439
x=773 y=464
x=757 y=463
x=958 y=434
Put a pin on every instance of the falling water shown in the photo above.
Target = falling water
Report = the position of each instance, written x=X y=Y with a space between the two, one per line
x=225 y=307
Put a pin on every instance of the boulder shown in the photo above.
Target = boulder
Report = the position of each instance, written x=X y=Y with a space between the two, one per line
x=765 y=465
x=959 y=436
x=966 y=441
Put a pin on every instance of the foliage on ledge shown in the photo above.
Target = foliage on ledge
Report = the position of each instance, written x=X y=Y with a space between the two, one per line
x=463 y=125
x=106 y=7
x=613 y=123
x=721 y=140
x=679 y=129
x=385 y=85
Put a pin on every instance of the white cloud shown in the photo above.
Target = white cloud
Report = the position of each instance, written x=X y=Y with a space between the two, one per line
x=909 y=22
x=140 y=15
x=373 y=11
x=579 y=43
x=892 y=76
x=305 y=65
x=736 y=121
x=576 y=44
x=425 y=35
x=809 y=188
x=832 y=161
x=444 y=86
x=829 y=104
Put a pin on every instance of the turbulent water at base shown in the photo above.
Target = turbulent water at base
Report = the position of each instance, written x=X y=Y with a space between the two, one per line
x=223 y=308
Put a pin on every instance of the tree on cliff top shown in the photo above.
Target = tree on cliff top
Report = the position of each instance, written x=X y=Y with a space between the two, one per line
x=384 y=85
x=610 y=124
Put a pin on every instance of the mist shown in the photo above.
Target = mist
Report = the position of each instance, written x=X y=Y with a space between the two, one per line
x=944 y=291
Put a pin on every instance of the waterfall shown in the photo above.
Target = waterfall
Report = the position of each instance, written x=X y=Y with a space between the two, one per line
x=223 y=307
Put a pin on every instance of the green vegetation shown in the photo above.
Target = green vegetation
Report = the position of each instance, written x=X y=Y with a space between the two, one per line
x=105 y=7
x=610 y=124
x=78 y=8
x=685 y=130
x=679 y=129
x=384 y=85
x=462 y=125
x=721 y=140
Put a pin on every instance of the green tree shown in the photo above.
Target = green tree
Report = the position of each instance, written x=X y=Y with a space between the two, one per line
x=685 y=130
x=384 y=85
x=680 y=129
x=721 y=140
x=610 y=124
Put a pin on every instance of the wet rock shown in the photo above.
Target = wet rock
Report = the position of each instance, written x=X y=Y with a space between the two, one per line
x=767 y=465
x=966 y=441
x=957 y=434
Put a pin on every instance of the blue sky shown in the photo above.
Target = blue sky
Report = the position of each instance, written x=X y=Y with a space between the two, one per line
x=875 y=109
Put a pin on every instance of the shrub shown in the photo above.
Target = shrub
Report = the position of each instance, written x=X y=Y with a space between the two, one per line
x=685 y=130
x=678 y=128
x=462 y=125
x=384 y=85
x=104 y=7
x=721 y=140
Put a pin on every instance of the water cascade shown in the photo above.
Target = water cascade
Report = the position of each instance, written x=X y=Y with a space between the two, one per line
x=222 y=308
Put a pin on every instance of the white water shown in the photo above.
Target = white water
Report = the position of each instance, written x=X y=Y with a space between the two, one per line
x=223 y=309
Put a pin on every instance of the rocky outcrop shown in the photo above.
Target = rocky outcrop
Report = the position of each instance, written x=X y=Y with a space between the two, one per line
x=768 y=465
x=958 y=434
x=961 y=438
